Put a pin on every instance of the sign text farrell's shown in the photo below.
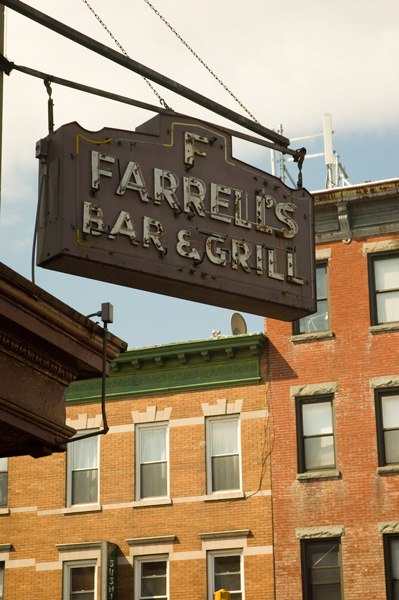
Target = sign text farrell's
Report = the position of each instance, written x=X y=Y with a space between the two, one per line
x=168 y=209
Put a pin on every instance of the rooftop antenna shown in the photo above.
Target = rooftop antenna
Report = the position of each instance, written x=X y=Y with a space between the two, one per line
x=336 y=174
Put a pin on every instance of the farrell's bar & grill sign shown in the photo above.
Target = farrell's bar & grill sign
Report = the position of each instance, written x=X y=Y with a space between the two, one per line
x=168 y=209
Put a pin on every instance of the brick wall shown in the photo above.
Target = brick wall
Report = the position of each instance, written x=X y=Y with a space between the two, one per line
x=36 y=519
x=359 y=498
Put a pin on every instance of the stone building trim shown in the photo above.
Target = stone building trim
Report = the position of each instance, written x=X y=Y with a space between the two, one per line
x=323 y=253
x=384 y=382
x=384 y=328
x=314 y=389
x=315 y=335
x=80 y=551
x=326 y=531
x=389 y=527
x=83 y=422
x=326 y=474
x=151 y=545
x=221 y=540
x=151 y=415
x=381 y=246
x=5 y=551
x=222 y=407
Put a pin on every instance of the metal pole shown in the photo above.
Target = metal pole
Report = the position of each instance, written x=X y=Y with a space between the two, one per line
x=6 y=66
x=133 y=65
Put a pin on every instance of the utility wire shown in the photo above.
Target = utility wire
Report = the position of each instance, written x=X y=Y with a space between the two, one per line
x=203 y=63
x=121 y=48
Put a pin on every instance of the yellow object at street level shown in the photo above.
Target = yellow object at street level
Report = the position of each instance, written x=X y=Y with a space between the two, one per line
x=222 y=595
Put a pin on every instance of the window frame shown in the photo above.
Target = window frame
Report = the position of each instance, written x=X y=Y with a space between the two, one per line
x=70 y=470
x=5 y=471
x=138 y=562
x=299 y=403
x=379 y=395
x=296 y=324
x=138 y=429
x=211 y=555
x=209 y=455
x=305 y=545
x=372 y=258
x=387 y=541
x=68 y=566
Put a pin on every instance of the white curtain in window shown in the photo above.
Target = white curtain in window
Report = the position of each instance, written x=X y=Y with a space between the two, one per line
x=395 y=557
x=153 y=444
x=224 y=435
x=387 y=274
x=388 y=307
x=390 y=411
x=3 y=464
x=317 y=418
x=85 y=454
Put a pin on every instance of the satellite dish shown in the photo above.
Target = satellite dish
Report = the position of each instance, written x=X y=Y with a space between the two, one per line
x=238 y=324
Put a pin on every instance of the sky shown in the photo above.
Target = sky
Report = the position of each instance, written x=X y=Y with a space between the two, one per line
x=288 y=62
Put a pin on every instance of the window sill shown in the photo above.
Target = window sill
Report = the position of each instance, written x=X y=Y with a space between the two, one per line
x=152 y=502
x=224 y=496
x=4 y=511
x=82 y=508
x=384 y=328
x=388 y=469
x=310 y=337
x=331 y=474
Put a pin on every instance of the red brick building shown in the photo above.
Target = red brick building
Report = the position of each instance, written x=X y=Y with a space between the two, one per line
x=334 y=400
x=173 y=502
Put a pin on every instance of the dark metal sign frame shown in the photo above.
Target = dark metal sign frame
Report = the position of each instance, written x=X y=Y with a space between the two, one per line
x=168 y=209
x=137 y=67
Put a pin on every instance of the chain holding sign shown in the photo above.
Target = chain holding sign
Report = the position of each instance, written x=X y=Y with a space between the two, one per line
x=168 y=209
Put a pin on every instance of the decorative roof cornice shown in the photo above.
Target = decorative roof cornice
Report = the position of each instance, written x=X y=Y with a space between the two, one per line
x=224 y=361
x=346 y=213
x=36 y=359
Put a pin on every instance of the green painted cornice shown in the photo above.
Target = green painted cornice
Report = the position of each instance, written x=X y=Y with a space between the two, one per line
x=180 y=367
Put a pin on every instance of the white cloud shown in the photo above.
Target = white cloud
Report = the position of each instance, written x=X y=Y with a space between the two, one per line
x=289 y=62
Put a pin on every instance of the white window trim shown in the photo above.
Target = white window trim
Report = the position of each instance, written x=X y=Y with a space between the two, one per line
x=211 y=570
x=209 y=455
x=138 y=561
x=69 y=474
x=67 y=567
x=140 y=427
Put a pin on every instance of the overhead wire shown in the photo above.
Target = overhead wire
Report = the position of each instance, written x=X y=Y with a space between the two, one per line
x=183 y=41
x=121 y=48
x=203 y=63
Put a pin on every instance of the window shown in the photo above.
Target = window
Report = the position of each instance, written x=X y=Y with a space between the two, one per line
x=384 y=288
x=225 y=572
x=387 y=418
x=3 y=482
x=1 y=580
x=151 y=578
x=82 y=471
x=223 y=454
x=391 y=549
x=318 y=321
x=321 y=570
x=151 y=461
x=316 y=445
x=80 y=580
